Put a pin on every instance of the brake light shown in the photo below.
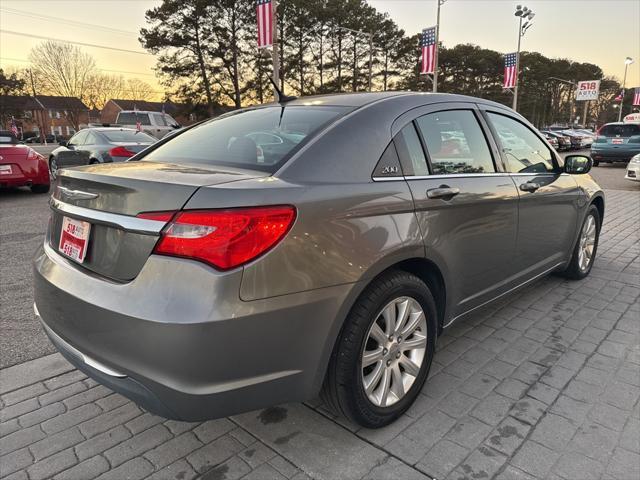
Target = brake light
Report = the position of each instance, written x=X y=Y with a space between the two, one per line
x=225 y=239
x=121 y=152
x=157 y=216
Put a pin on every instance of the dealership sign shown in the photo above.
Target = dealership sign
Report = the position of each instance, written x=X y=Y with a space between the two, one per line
x=588 y=90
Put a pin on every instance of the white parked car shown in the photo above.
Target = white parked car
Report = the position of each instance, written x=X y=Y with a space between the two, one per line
x=157 y=124
x=633 y=169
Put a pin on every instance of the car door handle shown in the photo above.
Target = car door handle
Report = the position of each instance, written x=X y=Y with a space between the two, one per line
x=443 y=191
x=529 y=186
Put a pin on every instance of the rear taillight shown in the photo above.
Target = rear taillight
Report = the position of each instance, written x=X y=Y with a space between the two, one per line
x=121 y=152
x=224 y=239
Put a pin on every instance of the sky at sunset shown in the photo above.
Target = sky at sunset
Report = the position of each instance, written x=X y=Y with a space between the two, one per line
x=603 y=32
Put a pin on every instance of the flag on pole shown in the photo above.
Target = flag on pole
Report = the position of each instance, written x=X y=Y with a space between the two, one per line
x=636 y=96
x=14 y=128
x=510 y=70
x=428 y=44
x=265 y=23
x=138 y=126
x=619 y=97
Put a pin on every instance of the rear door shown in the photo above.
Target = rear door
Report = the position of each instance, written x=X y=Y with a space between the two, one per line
x=549 y=198
x=465 y=204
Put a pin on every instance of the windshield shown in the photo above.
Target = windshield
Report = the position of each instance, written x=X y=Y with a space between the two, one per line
x=127 y=136
x=259 y=139
x=619 y=130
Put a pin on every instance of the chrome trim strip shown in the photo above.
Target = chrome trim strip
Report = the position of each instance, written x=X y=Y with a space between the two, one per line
x=387 y=179
x=503 y=293
x=465 y=175
x=125 y=222
x=75 y=352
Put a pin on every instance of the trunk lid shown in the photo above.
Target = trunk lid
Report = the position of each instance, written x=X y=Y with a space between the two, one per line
x=109 y=196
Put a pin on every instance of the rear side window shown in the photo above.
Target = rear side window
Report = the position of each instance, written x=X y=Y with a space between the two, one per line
x=260 y=139
x=410 y=148
x=127 y=136
x=455 y=143
x=612 y=130
x=131 y=118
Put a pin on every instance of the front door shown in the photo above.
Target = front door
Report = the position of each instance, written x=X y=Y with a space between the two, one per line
x=465 y=205
x=549 y=199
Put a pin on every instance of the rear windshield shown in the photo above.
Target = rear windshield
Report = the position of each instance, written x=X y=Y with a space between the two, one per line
x=7 y=137
x=620 y=130
x=259 y=139
x=131 y=118
x=127 y=136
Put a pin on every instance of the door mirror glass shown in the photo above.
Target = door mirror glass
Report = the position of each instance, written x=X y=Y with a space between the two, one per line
x=577 y=164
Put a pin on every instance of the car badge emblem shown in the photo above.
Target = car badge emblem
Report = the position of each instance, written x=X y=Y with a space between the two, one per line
x=75 y=194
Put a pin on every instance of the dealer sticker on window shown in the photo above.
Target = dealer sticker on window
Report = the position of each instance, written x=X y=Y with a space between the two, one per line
x=74 y=238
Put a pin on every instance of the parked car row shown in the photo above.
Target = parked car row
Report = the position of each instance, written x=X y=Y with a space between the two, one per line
x=570 y=139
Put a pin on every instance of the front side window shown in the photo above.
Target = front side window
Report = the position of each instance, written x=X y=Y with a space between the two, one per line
x=261 y=138
x=455 y=143
x=525 y=152
x=79 y=138
x=159 y=119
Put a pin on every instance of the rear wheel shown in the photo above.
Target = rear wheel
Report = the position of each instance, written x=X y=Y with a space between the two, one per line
x=596 y=163
x=584 y=252
x=383 y=355
x=40 y=188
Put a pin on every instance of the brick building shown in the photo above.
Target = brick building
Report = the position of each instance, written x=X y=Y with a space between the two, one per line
x=51 y=114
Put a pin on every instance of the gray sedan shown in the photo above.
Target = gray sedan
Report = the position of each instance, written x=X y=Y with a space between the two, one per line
x=316 y=245
x=98 y=145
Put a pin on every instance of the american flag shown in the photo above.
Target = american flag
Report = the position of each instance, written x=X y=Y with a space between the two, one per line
x=636 y=96
x=265 y=23
x=428 y=44
x=620 y=96
x=138 y=126
x=510 y=70
x=14 y=128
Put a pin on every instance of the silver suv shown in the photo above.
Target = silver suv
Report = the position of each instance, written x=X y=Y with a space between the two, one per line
x=319 y=244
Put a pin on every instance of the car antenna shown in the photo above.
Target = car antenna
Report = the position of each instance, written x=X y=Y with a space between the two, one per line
x=282 y=98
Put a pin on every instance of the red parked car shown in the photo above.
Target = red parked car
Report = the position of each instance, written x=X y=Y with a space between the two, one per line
x=21 y=165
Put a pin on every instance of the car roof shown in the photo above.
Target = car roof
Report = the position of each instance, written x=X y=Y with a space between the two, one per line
x=109 y=129
x=360 y=99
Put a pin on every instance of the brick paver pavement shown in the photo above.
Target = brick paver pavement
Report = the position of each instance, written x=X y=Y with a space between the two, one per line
x=543 y=384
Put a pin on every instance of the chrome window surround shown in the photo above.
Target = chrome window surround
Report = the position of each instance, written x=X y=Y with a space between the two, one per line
x=464 y=175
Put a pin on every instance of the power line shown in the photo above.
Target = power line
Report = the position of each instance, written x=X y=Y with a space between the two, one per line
x=67 y=21
x=21 y=60
x=93 y=45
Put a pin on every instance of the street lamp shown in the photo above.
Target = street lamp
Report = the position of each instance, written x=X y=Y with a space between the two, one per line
x=627 y=61
x=523 y=13
x=435 y=70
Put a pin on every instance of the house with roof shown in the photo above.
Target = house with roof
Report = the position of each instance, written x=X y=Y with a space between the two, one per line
x=43 y=113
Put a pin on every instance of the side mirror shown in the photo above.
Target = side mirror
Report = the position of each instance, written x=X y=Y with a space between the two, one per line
x=577 y=164
x=62 y=143
x=176 y=125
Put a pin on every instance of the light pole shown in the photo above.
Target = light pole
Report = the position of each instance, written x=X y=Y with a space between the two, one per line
x=522 y=13
x=627 y=61
x=435 y=70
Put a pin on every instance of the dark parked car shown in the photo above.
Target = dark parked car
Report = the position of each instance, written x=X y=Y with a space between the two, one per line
x=324 y=242
x=98 y=145
x=616 y=142
x=564 y=142
x=553 y=141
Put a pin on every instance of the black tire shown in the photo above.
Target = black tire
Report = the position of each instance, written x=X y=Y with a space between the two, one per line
x=573 y=270
x=596 y=163
x=343 y=389
x=40 y=188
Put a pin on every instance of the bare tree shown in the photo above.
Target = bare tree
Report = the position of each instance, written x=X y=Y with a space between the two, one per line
x=103 y=87
x=137 y=89
x=65 y=71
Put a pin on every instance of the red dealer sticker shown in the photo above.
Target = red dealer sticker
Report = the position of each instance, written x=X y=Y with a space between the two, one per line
x=74 y=238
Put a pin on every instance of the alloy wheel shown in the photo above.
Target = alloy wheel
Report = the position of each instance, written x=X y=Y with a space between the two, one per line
x=394 y=351
x=587 y=243
x=53 y=168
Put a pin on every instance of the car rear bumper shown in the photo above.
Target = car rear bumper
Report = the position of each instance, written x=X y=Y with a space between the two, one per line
x=180 y=342
x=613 y=155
